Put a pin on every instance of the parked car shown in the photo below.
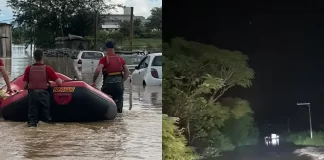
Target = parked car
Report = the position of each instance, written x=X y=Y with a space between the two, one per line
x=132 y=61
x=149 y=70
x=272 y=140
x=87 y=60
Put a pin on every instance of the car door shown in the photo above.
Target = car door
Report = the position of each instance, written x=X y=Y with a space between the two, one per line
x=136 y=76
x=143 y=69
x=157 y=65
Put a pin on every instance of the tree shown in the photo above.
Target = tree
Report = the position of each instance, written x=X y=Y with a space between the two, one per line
x=102 y=38
x=19 y=35
x=173 y=142
x=117 y=37
x=155 y=20
x=58 y=17
x=138 y=28
x=195 y=78
x=240 y=126
x=231 y=66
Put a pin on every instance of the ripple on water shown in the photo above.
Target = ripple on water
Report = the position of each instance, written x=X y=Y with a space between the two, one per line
x=135 y=134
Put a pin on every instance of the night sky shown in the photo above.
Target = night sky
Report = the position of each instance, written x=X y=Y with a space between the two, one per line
x=285 y=43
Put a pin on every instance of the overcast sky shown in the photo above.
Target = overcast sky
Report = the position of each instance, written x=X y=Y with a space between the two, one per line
x=141 y=8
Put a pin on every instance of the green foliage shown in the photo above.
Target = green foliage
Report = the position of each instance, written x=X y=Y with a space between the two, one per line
x=238 y=125
x=232 y=67
x=91 y=41
x=155 y=20
x=174 y=143
x=20 y=35
x=152 y=29
x=102 y=38
x=195 y=78
x=239 y=107
x=118 y=38
x=138 y=28
x=43 y=39
x=241 y=131
x=52 y=17
x=303 y=138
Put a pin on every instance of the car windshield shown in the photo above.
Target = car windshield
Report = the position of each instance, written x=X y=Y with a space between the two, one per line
x=91 y=55
x=157 y=61
x=132 y=60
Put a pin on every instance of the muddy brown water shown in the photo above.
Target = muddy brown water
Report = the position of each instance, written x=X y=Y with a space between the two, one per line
x=135 y=134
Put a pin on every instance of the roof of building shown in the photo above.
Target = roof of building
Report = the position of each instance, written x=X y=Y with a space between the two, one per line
x=125 y=15
x=5 y=24
x=110 y=26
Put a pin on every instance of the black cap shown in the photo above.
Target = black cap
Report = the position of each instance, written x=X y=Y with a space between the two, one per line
x=110 y=44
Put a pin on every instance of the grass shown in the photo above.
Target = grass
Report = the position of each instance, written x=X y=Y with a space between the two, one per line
x=144 y=42
x=303 y=138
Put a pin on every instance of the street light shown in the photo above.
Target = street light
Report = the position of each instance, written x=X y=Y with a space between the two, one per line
x=310 y=117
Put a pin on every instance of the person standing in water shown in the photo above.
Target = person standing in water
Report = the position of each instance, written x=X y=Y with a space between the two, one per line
x=36 y=79
x=117 y=73
x=5 y=77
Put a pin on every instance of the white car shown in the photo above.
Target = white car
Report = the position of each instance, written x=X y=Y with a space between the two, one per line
x=149 y=71
x=87 y=61
x=132 y=61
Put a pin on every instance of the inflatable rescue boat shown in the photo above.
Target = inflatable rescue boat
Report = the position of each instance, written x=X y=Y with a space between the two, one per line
x=74 y=101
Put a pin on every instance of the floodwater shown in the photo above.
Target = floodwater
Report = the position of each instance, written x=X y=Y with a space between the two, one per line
x=262 y=152
x=135 y=134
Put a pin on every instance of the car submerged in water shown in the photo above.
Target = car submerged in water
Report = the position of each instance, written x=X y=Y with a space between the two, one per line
x=132 y=59
x=149 y=71
x=87 y=61
x=272 y=140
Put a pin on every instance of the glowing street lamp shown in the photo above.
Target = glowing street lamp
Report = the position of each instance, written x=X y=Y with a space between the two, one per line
x=310 y=117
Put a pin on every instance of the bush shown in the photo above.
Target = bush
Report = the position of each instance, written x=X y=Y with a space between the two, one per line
x=174 y=143
x=303 y=138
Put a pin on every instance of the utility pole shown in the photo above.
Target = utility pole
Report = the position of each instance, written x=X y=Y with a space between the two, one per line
x=31 y=47
x=96 y=29
x=288 y=125
x=96 y=24
x=131 y=29
x=61 y=26
x=310 y=117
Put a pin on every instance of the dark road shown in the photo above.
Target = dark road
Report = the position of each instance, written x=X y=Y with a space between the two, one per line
x=282 y=152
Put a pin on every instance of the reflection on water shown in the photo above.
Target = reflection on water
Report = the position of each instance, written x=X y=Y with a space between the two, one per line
x=135 y=134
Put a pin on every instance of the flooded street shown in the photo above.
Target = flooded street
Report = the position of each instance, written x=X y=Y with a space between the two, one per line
x=135 y=134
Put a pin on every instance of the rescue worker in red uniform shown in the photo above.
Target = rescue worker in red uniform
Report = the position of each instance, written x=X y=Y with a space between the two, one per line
x=117 y=73
x=104 y=74
x=36 y=80
x=5 y=77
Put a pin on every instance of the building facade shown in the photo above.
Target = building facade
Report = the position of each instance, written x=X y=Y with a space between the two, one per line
x=5 y=40
x=110 y=22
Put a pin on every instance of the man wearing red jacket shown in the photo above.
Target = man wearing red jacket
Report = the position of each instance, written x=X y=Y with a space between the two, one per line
x=117 y=73
x=36 y=80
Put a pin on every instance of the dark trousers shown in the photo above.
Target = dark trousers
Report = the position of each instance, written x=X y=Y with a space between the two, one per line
x=39 y=105
x=104 y=76
x=116 y=91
